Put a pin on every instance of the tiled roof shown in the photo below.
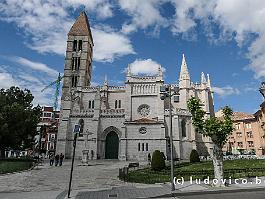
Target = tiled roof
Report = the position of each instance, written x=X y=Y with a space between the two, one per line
x=242 y=116
x=81 y=26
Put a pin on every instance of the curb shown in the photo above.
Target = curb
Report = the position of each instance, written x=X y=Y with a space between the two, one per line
x=217 y=191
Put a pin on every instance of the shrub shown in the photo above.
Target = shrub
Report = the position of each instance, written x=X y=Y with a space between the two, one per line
x=194 y=156
x=158 y=161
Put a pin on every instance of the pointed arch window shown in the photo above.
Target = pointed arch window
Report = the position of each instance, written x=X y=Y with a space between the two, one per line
x=183 y=128
x=81 y=123
x=119 y=103
x=74 y=81
x=80 y=45
x=74 y=45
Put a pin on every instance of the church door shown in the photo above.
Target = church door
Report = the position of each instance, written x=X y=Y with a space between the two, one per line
x=112 y=146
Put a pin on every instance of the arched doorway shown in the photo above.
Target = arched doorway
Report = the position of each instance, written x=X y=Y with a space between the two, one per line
x=112 y=146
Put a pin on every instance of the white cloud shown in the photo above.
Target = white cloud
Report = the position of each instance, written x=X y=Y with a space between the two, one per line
x=24 y=80
x=143 y=14
x=110 y=45
x=145 y=66
x=225 y=91
x=46 y=23
x=36 y=66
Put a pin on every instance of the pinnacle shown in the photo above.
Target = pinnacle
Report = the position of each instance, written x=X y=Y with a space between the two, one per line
x=184 y=73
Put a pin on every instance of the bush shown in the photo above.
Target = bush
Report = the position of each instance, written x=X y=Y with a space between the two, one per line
x=194 y=156
x=158 y=161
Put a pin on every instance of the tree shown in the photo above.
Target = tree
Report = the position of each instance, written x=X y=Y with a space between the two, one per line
x=216 y=129
x=158 y=161
x=194 y=156
x=18 y=119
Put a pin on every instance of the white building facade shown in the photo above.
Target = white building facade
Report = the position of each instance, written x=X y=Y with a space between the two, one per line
x=125 y=122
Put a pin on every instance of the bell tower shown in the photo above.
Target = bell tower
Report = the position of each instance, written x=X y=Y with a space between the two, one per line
x=77 y=74
x=78 y=60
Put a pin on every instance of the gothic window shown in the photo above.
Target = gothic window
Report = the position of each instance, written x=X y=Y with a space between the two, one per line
x=146 y=146
x=93 y=103
x=116 y=104
x=142 y=146
x=139 y=147
x=144 y=110
x=81 y=123
x=183 y=128
x=74 y=45
x=89 y=104
x=74 y=81
x=80 y=45
x=119 y=103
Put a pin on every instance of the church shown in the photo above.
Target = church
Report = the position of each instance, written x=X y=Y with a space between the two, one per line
x=125 y=122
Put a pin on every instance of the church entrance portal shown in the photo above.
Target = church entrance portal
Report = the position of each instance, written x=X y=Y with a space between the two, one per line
x=112 y=146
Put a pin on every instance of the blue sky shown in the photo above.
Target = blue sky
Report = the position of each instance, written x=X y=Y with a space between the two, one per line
x=217 y=37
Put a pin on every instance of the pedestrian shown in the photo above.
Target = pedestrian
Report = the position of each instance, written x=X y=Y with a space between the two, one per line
x=51 y=159
x=61 y=159
x=56 y=160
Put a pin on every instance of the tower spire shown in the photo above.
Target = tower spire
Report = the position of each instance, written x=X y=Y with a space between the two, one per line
x=129 y=70
x=106 y=81
x=184 y=73
x=208 y=80
x=203 y=79
x=160 y=71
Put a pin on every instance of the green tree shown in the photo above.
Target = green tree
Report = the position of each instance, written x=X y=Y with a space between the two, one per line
x=158 y=161
x=18 y=119
x=216 y=129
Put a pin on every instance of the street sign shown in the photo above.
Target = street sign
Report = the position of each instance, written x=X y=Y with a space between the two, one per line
x=76 y=128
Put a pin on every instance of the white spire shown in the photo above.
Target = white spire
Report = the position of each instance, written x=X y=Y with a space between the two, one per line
x=208 y=80
x=106 y=81
x=129 y=70
x=203 y=79
x=184 y=73
x=160 y=71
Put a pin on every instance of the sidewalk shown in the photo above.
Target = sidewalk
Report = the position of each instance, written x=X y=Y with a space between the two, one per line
x=135 y=190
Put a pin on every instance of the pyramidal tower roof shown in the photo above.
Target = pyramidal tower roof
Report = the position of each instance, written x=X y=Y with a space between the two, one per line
x=81 y=26
x=184 y=73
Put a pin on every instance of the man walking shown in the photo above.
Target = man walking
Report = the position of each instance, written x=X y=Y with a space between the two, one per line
x=61 y=159
x=56 y=160
x=51 y=159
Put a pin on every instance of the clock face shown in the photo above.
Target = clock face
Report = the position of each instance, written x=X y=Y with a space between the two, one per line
x=144 y=110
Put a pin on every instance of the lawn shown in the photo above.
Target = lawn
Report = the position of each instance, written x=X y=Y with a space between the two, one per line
x=13 y=166
x=232 y=168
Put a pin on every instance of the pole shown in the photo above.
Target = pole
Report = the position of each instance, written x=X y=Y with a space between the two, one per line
x=171 y=141
x=72 y=166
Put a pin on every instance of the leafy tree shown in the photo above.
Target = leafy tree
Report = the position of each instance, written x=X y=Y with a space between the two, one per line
x=18 y=119
x=194 y=156
x=216 y=129
x=158 y=161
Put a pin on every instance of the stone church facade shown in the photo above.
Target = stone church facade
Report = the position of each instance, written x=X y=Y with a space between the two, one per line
x=125 y=122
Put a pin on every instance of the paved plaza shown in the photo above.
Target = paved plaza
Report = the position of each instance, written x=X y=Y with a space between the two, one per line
x=98 y=180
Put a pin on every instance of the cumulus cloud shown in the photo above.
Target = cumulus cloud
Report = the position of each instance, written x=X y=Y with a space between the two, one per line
x=31 y=78
x=48 y=22
x=225 y=91
x=143 y=14
x=145 y=66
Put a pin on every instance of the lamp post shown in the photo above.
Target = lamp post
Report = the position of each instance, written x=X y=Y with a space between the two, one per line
x=75 y=131
x=166 y=92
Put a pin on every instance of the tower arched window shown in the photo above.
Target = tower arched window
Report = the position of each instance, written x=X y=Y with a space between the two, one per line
x=139 y=146
x=119 y=103
x=74 y=45
x=74 y=81
x=183 y=128
x=80 y=45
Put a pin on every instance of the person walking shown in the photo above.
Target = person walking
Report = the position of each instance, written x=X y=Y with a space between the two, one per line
x=51 y=159
x=56 y=160
x=61 y=159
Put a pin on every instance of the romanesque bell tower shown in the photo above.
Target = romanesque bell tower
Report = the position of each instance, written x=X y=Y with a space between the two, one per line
x=77 y=75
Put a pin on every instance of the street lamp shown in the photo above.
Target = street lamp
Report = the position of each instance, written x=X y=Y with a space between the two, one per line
x=166 y=92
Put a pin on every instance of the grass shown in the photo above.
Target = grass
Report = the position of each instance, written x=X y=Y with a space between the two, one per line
x=13 y=166
x=233 y=168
